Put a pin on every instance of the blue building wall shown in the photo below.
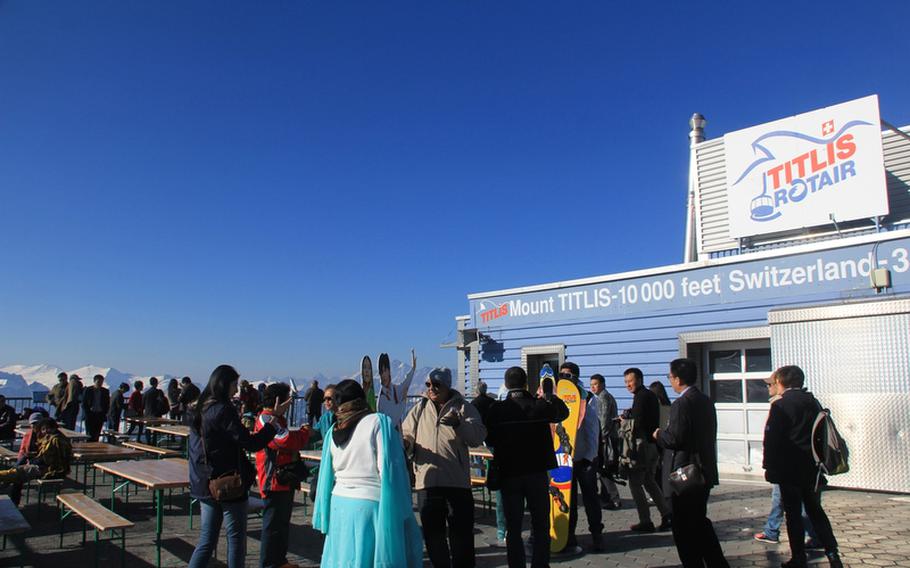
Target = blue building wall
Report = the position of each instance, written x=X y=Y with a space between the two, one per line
x=649 y=339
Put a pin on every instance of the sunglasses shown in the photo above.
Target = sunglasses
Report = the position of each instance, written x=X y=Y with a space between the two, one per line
x=566 y=376
x=435 y=385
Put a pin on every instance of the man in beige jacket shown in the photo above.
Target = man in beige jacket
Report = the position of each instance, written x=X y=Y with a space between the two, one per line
x=437 y=433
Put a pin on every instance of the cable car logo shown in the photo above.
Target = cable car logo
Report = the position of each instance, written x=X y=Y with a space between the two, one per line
x=790 y=181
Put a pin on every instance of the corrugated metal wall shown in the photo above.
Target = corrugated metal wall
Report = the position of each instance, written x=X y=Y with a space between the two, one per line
x=713 y=236
x=857 y=363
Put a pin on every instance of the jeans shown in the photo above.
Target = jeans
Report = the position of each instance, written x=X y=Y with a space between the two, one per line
x=276 y=526
x=584 y=476
x=693 y=533
x=500 y=517
x=795 y=497
x=641 y=479
x=447 y=518
x=532 y=488
x=776 y=517
x=213 y=513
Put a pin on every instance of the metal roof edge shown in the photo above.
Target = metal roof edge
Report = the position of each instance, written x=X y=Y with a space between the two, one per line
x=669 y=269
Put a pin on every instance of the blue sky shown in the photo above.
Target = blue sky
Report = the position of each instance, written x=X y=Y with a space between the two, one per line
x=286 y=186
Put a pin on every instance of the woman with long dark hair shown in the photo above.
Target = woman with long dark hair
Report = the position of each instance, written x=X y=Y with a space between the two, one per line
x=363 y=497
x=216 y=447
x=666 y=457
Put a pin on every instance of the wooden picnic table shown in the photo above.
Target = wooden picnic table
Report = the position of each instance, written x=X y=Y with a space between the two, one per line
x=484 y=453
x=71 y=434
x=311 y=455
x=151 y=420
x=179 y=430
x=154 y=475
x=94 y=452
x=11 y=519
x=8 y=455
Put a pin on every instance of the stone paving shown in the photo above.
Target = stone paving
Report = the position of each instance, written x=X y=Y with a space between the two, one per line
x=873 y=530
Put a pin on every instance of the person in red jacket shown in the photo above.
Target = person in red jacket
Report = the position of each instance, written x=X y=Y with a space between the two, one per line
x=276 y=491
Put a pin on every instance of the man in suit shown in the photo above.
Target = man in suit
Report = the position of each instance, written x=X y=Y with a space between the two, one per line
x=96 y=401
x=691 y=435
x=788 y=462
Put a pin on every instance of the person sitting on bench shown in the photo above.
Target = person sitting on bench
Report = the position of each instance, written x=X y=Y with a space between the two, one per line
x=55 y=455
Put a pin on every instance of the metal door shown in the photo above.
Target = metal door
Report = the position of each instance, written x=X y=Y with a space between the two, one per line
x=736 y=375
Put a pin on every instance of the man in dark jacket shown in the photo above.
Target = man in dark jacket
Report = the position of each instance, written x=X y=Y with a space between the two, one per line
x=788 y=462
x=7 y=421
x=96 y=401
x=519 y=433
x=118 y=405
x=646 y=414
x=482 y=402
x=692 y=436
x=313 y=398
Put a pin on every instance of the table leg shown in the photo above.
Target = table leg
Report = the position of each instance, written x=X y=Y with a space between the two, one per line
x=159 y=521
x=96 y=548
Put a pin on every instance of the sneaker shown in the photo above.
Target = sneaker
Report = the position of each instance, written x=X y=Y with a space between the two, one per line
x=498 y=543
x=834 y=559
x=597 y=542
x=762 y=537
x=793 y=564
x=814 y=544
x=643 y=527
x=666 y=523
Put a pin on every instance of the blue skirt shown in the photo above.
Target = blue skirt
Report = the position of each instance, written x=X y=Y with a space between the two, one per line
x=351 y=540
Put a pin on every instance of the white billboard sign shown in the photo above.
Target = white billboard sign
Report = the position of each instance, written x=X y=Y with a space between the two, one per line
x=799 y=171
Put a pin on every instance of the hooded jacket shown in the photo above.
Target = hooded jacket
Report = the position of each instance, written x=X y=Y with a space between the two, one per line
x=440 y=452
x=285 y=448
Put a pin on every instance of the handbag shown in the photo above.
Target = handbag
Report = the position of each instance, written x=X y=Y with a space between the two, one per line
x=292 y=474
x=227 y=486
x=688 y=478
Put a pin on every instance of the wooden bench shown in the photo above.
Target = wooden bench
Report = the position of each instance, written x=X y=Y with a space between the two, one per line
x=155 y=450
x=94 y=513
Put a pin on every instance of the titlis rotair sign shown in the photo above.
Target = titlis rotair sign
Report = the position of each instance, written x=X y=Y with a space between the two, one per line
x=800 y=171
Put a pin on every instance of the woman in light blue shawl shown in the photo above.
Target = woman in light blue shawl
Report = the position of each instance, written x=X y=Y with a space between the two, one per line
x=363 y=497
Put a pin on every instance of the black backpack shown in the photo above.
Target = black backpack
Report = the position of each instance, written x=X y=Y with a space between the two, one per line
x=828 y=447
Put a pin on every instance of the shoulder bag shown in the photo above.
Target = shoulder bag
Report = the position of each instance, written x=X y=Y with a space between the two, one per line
x=688 y=478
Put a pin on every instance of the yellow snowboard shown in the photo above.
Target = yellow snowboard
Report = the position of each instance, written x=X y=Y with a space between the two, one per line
x=564 y=445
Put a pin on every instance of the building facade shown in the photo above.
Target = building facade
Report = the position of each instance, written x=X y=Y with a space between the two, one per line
x=797 y=252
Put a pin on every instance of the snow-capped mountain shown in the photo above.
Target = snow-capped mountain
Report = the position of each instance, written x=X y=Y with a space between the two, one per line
x=22 y=380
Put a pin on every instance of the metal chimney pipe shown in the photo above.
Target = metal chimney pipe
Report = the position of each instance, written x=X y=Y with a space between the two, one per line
x=696 y=135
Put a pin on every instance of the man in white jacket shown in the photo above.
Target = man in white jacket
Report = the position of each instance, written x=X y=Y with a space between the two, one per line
x=393 y=399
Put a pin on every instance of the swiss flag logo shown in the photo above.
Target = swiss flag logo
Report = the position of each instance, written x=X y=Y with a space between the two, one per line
x=828 y=128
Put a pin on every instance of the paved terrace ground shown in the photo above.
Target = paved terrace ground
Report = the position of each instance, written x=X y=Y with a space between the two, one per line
x=873 y=528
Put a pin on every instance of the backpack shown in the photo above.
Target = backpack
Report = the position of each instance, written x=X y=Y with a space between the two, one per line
x=829 y=450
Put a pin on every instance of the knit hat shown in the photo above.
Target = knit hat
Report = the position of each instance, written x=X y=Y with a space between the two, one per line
x=441 y=375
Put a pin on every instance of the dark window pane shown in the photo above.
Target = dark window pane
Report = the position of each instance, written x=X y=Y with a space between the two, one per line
x=725 y=362
x=756 y=390
x=758 y=360
x=727 y=391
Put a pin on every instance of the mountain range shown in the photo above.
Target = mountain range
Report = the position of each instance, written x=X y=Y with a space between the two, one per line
x=23 y=380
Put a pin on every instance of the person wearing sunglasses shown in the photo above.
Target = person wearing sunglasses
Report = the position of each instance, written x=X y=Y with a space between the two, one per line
x=584 y=466
x=437 y=433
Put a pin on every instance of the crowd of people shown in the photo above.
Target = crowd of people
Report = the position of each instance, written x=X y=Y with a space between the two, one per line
x=376 y=451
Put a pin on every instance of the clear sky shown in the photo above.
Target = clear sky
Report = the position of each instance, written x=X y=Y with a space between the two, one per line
x=286 y=186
